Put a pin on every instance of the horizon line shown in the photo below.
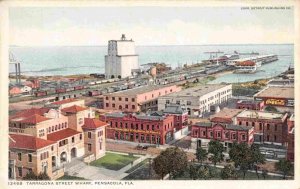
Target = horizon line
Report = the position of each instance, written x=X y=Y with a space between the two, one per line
x=222 y=44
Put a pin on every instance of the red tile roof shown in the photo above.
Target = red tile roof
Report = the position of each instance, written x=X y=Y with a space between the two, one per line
x=64 y=101
x=221 y=120
x=30 y=112
x=28 y=142
x=59 y=135
x=73 y=109
x=90 y=123
x=34 y=119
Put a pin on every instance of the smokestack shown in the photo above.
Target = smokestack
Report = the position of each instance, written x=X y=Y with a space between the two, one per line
x=123 y=37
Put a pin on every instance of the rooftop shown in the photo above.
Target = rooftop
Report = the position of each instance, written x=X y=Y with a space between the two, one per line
x=73 y=109
x=260 y=115
x=139 y=90
x=174 y=109
x=30 y=112
x=59 y=135
x=27 y=142
x=248 y=102
x=227 y=113
x=198 y=91
x=227 y=126
x=276 y=92
x=33 y=119
x=65 y=101
x=90 y=123
x=144 y=117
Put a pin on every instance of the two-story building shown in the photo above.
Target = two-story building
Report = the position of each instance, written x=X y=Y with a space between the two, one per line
x=139 y=128
x=203 y=132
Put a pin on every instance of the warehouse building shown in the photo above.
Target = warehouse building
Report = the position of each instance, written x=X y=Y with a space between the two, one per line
x=198 y=100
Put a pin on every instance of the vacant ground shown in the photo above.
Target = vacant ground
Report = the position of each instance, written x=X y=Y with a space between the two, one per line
x=113 y=161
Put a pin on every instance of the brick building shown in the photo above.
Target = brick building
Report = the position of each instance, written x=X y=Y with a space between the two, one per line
x=291 y=138
x=44 y=139
x=179 y=113
x=227 y=116
x=269 y=127
x=203 y=132
x=139 y=128
x=138 y=99
x=250 y=105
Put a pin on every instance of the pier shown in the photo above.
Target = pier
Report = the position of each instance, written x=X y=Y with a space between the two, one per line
x=263 y=59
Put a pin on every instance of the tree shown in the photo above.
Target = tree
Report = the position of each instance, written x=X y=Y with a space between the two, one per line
x=31 y=176
x=193 y=172
x=271 y=109
x=240 y=154
x=172 y=160
x=284 y=166
x=201 y=154
x=257 y=157
x=204 y=172
x=228 y=172
x=216 y=149
x=264 y=173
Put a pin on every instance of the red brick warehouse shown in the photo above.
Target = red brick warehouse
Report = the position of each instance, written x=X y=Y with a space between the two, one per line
x=139 y=128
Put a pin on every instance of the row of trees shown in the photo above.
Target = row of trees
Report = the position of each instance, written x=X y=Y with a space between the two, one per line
x=173 y=161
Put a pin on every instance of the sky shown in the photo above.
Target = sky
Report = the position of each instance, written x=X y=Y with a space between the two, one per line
x=87 y=26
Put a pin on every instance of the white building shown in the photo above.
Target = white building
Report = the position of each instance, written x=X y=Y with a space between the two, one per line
x=121 y=58
x=198 y=100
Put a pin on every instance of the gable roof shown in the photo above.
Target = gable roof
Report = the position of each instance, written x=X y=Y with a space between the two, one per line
x=92 y=123
x=33 y=119
x=174 y=109
x=59 y=135
x=28 y=142
x=30 y=112
x=73 y=109
x=64 y=101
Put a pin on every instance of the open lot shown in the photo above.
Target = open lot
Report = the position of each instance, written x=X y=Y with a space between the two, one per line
x=113 y=161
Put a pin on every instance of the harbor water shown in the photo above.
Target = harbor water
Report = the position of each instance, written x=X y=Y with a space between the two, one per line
x=65 y=60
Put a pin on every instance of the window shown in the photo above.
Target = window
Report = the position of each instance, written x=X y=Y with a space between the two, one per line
x=268 y=126
x=240 y=123
x=227 y=134
x=233 y=136
x=113 y=105
x=52 y=148
x=89 y=135
x=218 y=134
x=253 y=123
x=275 y=128
x=203 y=133
x=106 y=98
x=210 y=134
x=247 y=123
x=89 y=147
x=19 y=156
x=132 y=100
x=126 y=99
x=178 y=102
x=29 y=157
x=20 y=171
x=80 y=136
x=142 y=127
x=152 y=127
x=275 y=138
x=126 y=106
x=133 y=106
x=116 y=124
x=107 y=105
x=167 y=101
x=113 y=98
x=152 y=95
x=188 y=103
x=268 y=137
x=243 y=137
x=73 y=139
x=260 y=126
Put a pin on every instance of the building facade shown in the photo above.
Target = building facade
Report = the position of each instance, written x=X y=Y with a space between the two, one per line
x=121 y=58
x=43 y=140
x=202 y=133
x=139 y=99
x=139 y=128
x=270 y=128
x=250 y=105
x=291 y=138
x=198 y=100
